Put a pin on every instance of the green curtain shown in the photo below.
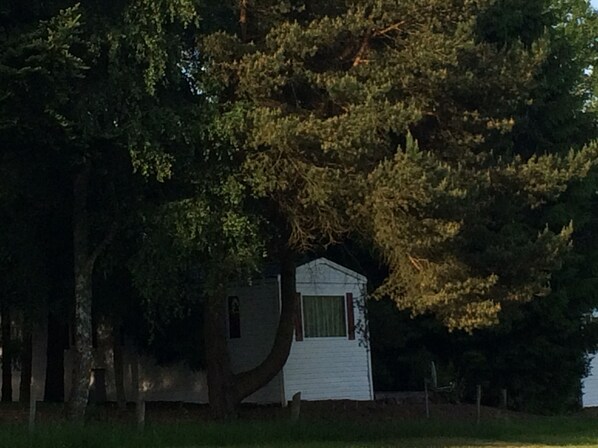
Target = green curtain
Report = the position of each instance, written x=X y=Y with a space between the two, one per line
x=324 y=316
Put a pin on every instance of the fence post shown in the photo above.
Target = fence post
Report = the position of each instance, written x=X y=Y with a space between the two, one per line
x=427 y=399
x=32 y=411
x=503 y=399
x=296 y=407
x=140 y=413
x=478 y=402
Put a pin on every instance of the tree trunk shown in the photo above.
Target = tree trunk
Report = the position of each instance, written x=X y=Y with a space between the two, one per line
x=6 y=354
x=57 y=342
x=135 y=377
x=243 y=7
x=83 y=350
x=83 y=268
x=26 y=364
x=222 y=393
x=252 y=380
x=226 y=390
x=119 y=375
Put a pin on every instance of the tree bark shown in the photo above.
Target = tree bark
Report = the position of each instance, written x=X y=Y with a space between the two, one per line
x=243 y=7
x=119 y=376
x=252 y=380
x=84 y=261
x=26 y=364
x=225 y=389
x=57 y=342
x=222 y=393
x=83 y=350
x=135 y=377
x=6 y=354
x=83 y=268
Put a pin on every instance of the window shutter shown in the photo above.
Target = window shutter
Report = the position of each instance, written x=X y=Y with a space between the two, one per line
x=298 y=319
x=350 y=316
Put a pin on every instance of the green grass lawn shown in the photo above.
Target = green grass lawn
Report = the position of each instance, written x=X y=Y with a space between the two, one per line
x=532 y=433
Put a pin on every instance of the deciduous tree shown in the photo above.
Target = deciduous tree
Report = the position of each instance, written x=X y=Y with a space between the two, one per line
x=84 y=88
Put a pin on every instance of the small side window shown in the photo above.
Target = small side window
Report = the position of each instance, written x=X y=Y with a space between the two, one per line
x=234 y=317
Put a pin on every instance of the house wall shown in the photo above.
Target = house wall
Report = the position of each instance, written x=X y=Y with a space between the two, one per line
x=176 y=382
x=590 y=385
x=332 y=367
x=145 y=378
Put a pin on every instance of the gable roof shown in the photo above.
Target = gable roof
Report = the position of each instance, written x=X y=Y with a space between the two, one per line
x=325 y=262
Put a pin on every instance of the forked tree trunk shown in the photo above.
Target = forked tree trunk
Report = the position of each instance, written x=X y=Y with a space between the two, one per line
x=26 y=363
x=6 y=354
x=84 y=261
x=225 y=389
x=252 y=380
x=222 y=393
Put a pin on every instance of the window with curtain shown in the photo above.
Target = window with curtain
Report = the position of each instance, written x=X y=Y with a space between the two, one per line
x=324 y=316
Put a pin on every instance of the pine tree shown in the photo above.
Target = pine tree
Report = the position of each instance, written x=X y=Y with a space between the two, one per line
x=538 y=352
x=393 y=123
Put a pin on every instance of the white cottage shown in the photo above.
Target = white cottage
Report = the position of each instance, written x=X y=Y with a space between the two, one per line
x=329 y=357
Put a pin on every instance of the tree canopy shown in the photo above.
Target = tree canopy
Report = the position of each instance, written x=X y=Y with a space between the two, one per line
x=539 y=349
x=398 y=124
x=183 y=143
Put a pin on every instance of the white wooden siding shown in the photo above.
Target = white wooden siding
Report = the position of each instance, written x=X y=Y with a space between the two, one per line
x=590 y=385
x=325 y=370
x=332 y=367
x=322 y=272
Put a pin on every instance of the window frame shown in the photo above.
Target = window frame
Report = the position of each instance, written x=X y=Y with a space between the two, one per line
x=343 y=300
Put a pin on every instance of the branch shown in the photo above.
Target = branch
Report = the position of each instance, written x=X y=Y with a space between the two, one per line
x=365 y=44
x=103 y=244
x=415 y=262
x=388 y=29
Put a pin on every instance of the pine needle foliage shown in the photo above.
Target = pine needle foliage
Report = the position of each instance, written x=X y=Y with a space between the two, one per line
x=394 y=122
